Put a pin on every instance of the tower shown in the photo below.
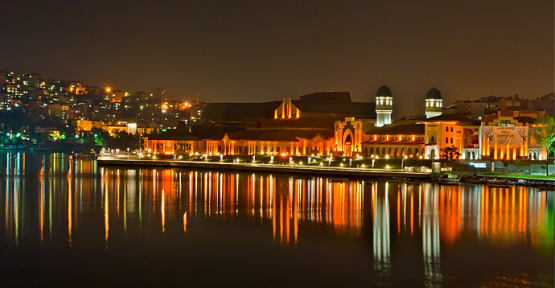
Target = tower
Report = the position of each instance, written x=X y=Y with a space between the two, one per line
x=384 y=106
x=434 y=103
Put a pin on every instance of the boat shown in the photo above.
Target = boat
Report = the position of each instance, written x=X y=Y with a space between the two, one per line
x=495 y=182
x=449 y=179
x=475 y=180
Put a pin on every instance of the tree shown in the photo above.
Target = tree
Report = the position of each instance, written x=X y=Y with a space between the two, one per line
x=545 y=136
x=450 y=153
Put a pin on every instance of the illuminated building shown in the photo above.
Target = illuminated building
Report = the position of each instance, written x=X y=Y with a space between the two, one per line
x=174 y=142
x=452 y=131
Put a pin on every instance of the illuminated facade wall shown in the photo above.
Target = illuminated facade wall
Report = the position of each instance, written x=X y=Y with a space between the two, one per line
x=506 y=138
x=287 y=110
x=349 y=136
x=443 y=134
x=434 y=107
x=394 y=146
x=172 y=147
x=300 y=147
x=384 y=108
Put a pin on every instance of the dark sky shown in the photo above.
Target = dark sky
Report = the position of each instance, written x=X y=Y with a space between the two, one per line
x=242 y=51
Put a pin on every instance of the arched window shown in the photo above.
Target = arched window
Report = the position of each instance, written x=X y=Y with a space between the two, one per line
x=451 y=129
x=390 y=152
x=383 y=152
x=416 y=152
x=451 y=140
x=396 y=152
x=432 y=139
x=446 y=129
x=370 y=152
x=447 y=140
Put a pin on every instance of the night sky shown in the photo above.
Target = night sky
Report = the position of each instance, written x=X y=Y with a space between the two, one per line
x=239 y=51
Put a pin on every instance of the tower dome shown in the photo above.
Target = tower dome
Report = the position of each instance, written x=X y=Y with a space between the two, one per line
x=384 y=106
x=434 y=103
x=434 y=94
x=384 y=91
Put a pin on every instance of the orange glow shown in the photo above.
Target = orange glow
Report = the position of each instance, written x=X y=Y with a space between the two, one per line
x=411 y=213
x=399 y=211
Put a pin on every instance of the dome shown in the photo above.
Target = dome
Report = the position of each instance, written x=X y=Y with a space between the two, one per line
x=434 y=94
x=384 y=91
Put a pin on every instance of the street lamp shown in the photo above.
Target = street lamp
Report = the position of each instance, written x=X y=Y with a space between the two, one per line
x=403 y=161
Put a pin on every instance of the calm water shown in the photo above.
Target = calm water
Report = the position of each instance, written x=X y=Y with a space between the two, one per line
x=76 y=224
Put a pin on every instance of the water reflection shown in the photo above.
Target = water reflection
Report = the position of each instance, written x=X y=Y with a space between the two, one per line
x=68 y=199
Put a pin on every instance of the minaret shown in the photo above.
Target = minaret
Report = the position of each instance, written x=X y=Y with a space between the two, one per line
x=384 y=106
x=434 y=103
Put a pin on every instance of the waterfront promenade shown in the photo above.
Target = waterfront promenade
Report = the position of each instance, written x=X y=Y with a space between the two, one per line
x=270 y=168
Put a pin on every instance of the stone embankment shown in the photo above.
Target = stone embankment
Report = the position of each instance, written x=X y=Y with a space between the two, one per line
x=269 y=168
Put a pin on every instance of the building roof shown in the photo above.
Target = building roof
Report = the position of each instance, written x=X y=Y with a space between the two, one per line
x=289 y=135
x=298 y=123
x=434 y=94
x=394 y=142
x=399 y=129
x=384 y=91
x=214 y=131
x=239 y=111
x=526 y=120
x=174 y=134
x=461 y=118
x=351 y=108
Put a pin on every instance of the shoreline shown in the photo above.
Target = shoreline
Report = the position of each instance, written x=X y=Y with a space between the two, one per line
x=332 y=172
x=270 y=168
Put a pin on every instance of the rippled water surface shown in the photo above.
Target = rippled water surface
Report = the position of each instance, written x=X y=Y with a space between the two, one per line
x=76 y=224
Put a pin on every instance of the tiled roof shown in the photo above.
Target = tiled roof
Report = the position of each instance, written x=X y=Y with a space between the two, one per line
x=304 y=122
x=174 y=135
x=394 y=142
x=352 y=108
x=399 y=129
x=239 y=111
x=461 y=118
x=289 y=135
